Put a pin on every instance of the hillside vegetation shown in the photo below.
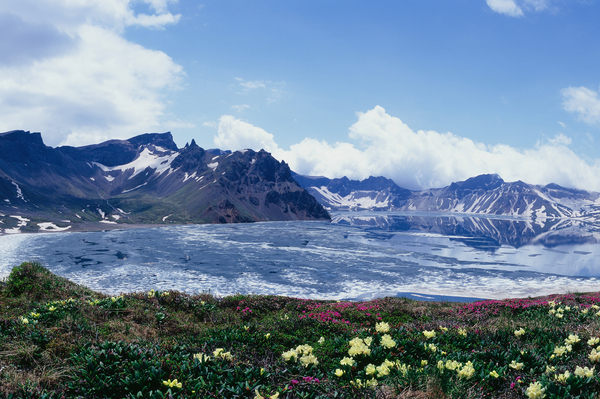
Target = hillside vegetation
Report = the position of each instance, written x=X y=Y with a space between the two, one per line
x=62 y=340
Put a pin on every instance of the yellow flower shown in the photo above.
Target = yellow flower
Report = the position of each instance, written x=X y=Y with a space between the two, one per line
x=339 y=372
x=594 y=356
x=585 y=311
x=560 y=350
x=515 y=365
x=382 y=327
x=595 y=307
x=444 y=329
x=307 y=360
x=462 y=331
x=535 y=391
x=552 y=311
x=467 y=371
x=372 y=382
x=201 y=357
x=559 y=315
x=424 y=363
x=562 y=377
x=567 y=308
x=346 y=361
x=258 y=395
x=452 y=364
x=429 y=334
x=370 y=369
x=387 y=341
x=289 y=354
x=172 y=384
x=552 y=303
x=151 y=294
x=321 y=340
x=383 y=370
x=550 y=369
x=431 y=347
x=24 y=320
x=368 y=341
x=440 y=365
x=268 y=335
x=584 y=372
x=519 y=332
x=494 y=374
x=573 y=339
x=593 y=341
x=34 y=315
x=52 y=308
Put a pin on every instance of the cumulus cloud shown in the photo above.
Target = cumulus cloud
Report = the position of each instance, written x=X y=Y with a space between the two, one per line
x=506 y=7
x=238 y=135
x=516 y=8
x=70 y=74
x=385 y=146
x=584 y=102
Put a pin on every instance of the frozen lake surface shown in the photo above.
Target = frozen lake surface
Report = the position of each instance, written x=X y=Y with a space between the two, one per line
x=358 y=256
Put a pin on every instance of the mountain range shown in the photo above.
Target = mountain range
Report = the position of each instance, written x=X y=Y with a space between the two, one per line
x=485 y=194
x=147 y=179
x=143 y=180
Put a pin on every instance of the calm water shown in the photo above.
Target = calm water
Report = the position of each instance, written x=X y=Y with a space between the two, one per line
x=358 y=256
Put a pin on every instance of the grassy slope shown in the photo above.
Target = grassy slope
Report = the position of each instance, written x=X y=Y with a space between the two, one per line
x=58 y=339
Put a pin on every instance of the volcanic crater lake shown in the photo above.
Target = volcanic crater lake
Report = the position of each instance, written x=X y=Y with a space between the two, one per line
x=358 y=256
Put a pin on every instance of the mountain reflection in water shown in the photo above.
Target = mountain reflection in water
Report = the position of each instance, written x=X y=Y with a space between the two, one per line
x=485 y=233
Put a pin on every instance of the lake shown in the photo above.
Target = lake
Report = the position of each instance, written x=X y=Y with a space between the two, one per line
x=359 y=256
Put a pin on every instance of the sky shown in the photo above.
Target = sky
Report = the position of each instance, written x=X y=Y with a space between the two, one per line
x=423 y=92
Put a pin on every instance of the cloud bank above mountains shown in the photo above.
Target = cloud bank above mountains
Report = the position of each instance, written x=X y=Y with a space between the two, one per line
x=382 y=145
x=68 y=71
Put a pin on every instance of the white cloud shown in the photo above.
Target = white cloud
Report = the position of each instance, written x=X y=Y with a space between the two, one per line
x=385 y=146
x=506 y=7
x=584 y=102
x=75 y=78
x=236 y=134
x=516 y=8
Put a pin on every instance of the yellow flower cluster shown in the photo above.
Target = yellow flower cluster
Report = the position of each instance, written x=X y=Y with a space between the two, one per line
x=535 y=391
x=466 y=371
x=593 y=341
x=519 y=332
x=358 y=346
x=515 y=365
x=259 y=396
x=173 y=384
x=429 y=334
x=463 y=370
x=584 y=372
x=219 y=352
x=201 y=357
x=594 y=356
x=572 y=339
x=387 y=341
x=306 y=356
x=430 y=347
x=382 y=327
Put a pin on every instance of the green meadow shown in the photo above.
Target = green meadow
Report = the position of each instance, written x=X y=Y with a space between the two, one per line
x=62 y=340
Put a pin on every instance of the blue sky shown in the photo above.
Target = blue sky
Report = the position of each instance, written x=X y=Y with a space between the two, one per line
x=425 y=92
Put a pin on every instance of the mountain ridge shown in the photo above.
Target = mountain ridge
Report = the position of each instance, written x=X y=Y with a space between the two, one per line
x=145 y=180
x=486 y=194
